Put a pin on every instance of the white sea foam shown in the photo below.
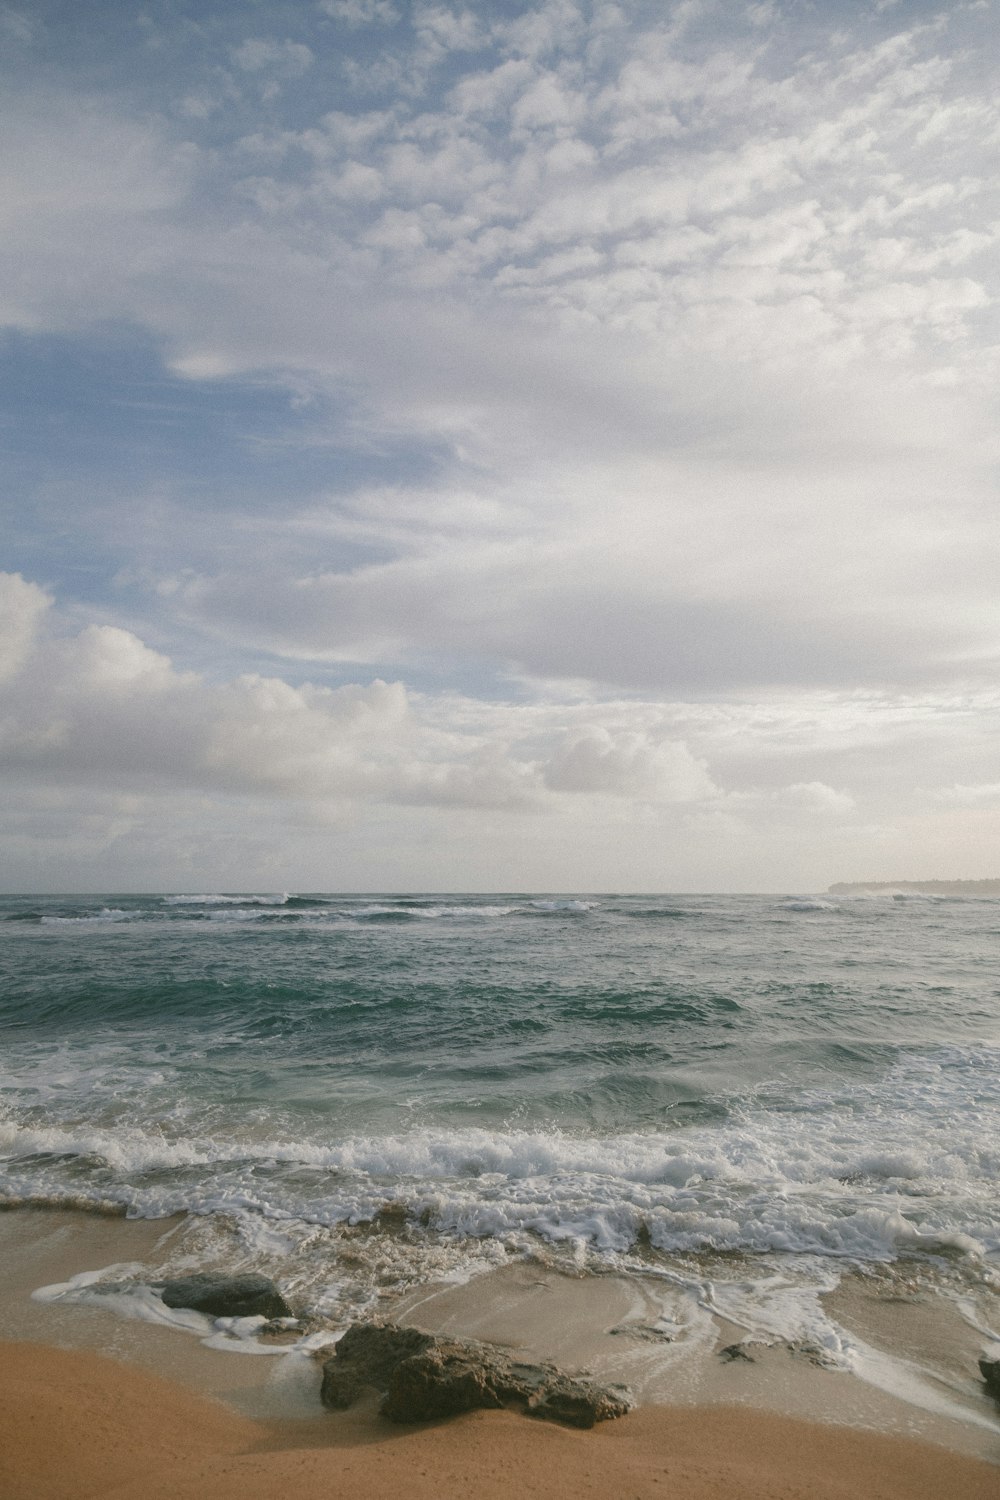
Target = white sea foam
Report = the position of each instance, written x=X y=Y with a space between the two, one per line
x=239 y=914
x=120 y=1289
x=786 y=1307
x=972 y=1315
x=854 y=1176
x=106 y=914
x=566 y=905
x=218 y=900
x=468 y=912
x=471 y=912
x=807 y=903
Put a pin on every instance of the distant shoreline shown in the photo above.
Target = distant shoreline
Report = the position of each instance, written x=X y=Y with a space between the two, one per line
x=927 y=887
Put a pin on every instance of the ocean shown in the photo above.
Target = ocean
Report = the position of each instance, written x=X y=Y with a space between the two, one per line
x=740 y=1098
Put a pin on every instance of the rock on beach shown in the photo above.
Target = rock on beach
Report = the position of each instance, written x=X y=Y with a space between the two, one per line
x=989 y=1369
x=226 y=1296
x=423 y=1377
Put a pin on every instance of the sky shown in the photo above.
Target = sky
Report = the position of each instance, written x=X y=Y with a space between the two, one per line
x=497 y=446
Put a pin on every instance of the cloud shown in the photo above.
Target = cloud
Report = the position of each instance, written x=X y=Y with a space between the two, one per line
x=616 y=143
x=817 y=799
x=678 y=573
x=986 y=794
x=22 y=607
x=648 y=358
x=285 y=58
x=117 y=761
x=361 y=12
x=628 y=765
x=572 y=264
x=101 y=708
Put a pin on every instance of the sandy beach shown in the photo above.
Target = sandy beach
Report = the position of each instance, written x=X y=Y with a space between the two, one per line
x=74 y=1424
x=96 y=1404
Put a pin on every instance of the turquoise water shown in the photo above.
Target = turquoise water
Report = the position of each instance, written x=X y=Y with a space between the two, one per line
x=605 y=1081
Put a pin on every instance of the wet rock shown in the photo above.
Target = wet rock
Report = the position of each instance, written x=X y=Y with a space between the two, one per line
x=814 y=1353
x=248 y=1296
x=647 y=1332
x=989 y=1369
x=578 y=1403
x=424 y=1378
x=441 y=1381
x=366 y=1356
x=736 y=1351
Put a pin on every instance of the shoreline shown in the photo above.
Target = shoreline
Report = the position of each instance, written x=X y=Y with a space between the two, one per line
x=599 y=1323
x=75 y=1424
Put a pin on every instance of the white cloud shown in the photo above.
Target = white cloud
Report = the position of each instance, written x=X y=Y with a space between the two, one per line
x=817 y=799
x=667 y=575
x=22 y=607
x=628 y=764
x=986 y=794
x=687 y=326
x=69 y=158
x=447 y=30
x=101 y=708
x=115 y=761
x=779 y=163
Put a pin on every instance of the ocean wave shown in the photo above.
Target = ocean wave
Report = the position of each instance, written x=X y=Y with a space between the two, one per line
x=662 y=913
x=564 y=907
x=105 y=915
x=586 y=1082
x=868 y=1175
x=411 y=912
x=259 y=913
x=219 y=900
x=810 y=903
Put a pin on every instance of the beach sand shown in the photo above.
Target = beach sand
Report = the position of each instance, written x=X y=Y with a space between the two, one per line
x=166 y=1417
x=74 y=1425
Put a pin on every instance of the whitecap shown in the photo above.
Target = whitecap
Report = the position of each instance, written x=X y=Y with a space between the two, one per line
x=219 y=900
x=564 y=906
x=106 y=914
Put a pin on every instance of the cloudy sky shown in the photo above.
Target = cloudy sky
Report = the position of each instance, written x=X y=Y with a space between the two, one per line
x=498 y=446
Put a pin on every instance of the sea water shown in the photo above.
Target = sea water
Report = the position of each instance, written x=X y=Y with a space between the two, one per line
x=743 y=1096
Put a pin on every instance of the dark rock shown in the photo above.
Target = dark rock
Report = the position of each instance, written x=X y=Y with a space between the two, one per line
x=736 y=1351
x=442 y=1381
x=647 y=1332
x=366 y=1355
x=989 y=1369
x=578 y=1403
x=424 y=1378
x=226 y=1296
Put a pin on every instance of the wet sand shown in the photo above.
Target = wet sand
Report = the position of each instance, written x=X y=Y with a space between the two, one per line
x=73 y=1422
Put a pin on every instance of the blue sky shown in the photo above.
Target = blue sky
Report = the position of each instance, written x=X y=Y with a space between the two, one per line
x=498 y=447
